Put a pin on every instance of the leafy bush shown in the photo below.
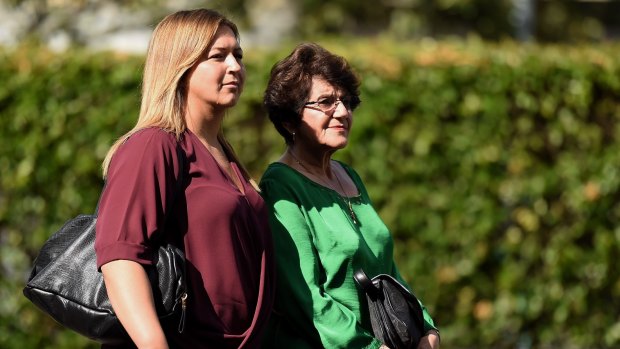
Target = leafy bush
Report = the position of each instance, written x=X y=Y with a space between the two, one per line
x=495 y=166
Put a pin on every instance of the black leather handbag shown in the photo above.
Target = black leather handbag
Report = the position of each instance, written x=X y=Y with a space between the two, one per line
x=66 y=284
x=395 y=313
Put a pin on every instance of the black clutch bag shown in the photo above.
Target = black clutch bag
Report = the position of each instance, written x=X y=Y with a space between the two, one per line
x=395 y=313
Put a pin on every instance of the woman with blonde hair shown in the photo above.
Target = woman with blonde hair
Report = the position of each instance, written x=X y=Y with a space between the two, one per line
x=193 y=74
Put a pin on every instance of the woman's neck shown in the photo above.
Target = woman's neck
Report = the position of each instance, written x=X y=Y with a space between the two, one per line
x=315 y=162
x=320 y=170
x=205 y=126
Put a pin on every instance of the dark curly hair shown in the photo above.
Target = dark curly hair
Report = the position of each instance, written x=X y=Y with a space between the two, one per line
x=290 y=84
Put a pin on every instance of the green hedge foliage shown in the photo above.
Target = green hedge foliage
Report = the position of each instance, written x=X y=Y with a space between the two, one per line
x=497 y=168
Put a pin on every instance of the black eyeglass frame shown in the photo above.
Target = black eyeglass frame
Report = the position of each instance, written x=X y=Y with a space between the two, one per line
x=346 y=101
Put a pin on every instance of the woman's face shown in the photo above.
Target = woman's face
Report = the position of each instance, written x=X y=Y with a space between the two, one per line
x=325 y=129
x=218 y=77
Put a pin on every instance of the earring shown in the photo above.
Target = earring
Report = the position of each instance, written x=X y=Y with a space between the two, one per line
x=293 y=137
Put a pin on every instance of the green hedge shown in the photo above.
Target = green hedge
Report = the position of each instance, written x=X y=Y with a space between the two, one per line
x=497 y=167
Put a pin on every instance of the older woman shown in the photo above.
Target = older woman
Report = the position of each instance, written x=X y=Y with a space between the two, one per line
x=322 y=220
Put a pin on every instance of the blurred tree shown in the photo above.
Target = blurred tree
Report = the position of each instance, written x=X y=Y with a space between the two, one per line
x=407 y=18
x=94 y=23
x=570 y=21
x=488 y=18
x=106 y=23
x=342 y=17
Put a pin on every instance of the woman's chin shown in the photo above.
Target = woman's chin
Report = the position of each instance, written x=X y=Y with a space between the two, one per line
x=227 y=102
x=339 y=145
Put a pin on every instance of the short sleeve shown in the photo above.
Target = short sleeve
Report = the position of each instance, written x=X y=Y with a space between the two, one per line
x=138 y=193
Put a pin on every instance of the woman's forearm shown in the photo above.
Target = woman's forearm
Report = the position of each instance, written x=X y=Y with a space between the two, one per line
x=131 y=297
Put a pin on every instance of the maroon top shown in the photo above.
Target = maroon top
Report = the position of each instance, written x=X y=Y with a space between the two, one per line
x=224 y=233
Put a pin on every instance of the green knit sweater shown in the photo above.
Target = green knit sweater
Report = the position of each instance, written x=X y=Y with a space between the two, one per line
x=318 y=247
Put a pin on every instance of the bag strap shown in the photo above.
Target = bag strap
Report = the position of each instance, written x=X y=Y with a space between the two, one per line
x=181 y=177
x=365 y=283
x=96 y=214
x=178 y=189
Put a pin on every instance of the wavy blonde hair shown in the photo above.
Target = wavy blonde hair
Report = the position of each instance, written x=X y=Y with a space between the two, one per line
x=177 y=43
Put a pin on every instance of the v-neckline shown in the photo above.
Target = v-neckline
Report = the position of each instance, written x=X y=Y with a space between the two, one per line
x=237 y=173
x=235 y=170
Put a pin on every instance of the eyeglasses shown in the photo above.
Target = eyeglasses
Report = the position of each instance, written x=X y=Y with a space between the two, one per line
x=329 y=104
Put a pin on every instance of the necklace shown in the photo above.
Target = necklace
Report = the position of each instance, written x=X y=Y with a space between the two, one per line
x=345 y=198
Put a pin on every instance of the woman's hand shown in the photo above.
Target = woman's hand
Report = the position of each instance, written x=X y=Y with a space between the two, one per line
x=131 y=296
x=430 y=340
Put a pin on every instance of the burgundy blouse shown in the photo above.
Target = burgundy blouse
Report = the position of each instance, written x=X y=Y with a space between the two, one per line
x=224 y=233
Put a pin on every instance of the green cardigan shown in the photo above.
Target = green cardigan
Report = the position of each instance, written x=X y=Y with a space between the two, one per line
x=318 y=247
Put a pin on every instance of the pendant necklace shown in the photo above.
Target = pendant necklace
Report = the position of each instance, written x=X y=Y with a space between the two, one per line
x=345 y=199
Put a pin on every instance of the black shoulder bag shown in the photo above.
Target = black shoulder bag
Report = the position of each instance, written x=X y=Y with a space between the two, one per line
x=395 y=313
x=66 y=284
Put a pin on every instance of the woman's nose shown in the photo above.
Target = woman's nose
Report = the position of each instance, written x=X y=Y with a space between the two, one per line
x=233 y=63
x=341 y=110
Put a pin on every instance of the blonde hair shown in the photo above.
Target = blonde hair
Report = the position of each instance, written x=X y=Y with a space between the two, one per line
x=177 y=43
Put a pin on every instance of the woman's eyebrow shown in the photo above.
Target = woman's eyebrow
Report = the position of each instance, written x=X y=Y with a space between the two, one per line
x=224 y=48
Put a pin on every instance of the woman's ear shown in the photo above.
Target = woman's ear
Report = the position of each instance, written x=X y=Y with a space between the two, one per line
x=291 y=131
x=288 y=127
